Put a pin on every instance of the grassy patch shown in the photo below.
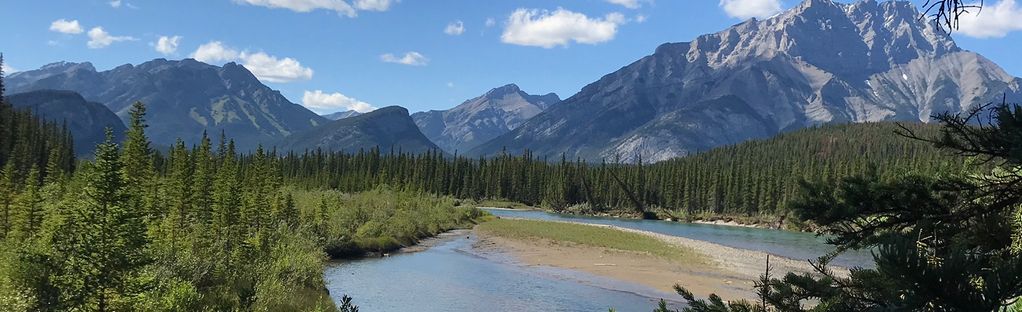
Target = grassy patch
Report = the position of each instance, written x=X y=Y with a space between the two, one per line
x=502 y=204
x=593 y=236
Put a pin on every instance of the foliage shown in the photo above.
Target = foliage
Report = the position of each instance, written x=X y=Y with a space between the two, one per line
x=942 y=243
x=752 y=178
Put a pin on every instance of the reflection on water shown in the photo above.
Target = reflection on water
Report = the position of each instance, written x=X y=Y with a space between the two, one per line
x=794 y=245
x=452 y=276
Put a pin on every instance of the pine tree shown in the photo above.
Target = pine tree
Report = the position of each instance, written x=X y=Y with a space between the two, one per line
x=137 y=158
x=29 y=212
x=103 y=238
x=8 y=192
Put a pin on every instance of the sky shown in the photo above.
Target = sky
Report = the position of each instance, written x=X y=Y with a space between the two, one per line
x=336 y=55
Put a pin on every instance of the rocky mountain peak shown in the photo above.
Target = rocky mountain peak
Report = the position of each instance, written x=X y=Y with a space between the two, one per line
x=821 y=61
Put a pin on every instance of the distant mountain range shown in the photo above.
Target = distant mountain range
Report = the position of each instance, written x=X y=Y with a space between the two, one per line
x=820 y=62
x=483 y=118
x=389 y=128
x=85 y=120
x=183 y=98
x=341 y=115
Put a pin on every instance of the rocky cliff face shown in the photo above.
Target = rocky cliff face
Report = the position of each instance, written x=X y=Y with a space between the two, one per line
x=85 y=120
x=388 y=128
x=483 y=118
x=819 y=62
x=183 y=98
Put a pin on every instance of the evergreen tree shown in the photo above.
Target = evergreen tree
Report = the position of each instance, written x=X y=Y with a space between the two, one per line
x=29 y=212
x=137 y=159
x=102 y=240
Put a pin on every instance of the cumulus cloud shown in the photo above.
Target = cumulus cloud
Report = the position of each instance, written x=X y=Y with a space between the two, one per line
x=455 y=28
x=410 y=58
x=640 y=18
x=323 y=102
x=994 y=21
x=270 y=68
x=167 y=45
x=745 y=9
x=115 y=3
x=490 y=22
x=67 y=27
x=99 y=38
x=558 y=28
x=264 y=66
x=215 y=52
x=373 y=5
x=342 y=7
x=631 y=4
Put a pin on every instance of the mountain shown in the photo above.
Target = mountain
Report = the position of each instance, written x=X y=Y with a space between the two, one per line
x=182 y=98
x=483 y=118
x=341 y=115
x=387 y=128
x=820 y=62
x=85 y=120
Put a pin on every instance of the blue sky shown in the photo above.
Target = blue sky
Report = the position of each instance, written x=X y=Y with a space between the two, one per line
x=339 y=54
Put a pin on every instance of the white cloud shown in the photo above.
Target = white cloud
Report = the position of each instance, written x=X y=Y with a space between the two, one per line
x=558 y=28
x=66 y=26
x=640 y=18
x=215 y=52
x=410 y=58
x=450 y=84
x=303 y=6
x=264 y=66
x=8 y=69
x=631 y=4
x=115 y=3
x=99 y=38
x=327 y=102
x=167 y=45
x=745 y=9
x=490 y=22
x=455 y=28
x=373 y=5
x=342 y=7
x=270 y=68
x=994 y=21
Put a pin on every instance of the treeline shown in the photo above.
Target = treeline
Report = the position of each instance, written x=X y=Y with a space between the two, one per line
x=757 y=177
x=197 y=229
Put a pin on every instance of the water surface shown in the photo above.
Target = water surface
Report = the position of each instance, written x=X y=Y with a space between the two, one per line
x=453 y=276
x=794 y=245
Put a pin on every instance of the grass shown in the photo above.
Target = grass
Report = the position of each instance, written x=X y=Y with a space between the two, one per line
x=502 y=204
x=593 y=236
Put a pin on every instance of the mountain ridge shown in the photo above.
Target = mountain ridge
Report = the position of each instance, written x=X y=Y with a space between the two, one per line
x=819 y=62
x=482 y=118
x=183 y=98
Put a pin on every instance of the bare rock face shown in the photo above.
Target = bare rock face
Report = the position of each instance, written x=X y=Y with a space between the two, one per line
x=183 y=98
x=820 y=62
x=389 y=129
x=483 y=118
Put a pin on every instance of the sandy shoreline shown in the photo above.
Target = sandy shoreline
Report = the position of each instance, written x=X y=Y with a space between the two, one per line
x=730 y=272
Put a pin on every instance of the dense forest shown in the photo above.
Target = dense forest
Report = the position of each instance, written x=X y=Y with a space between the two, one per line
x=752 y=178
x=199 y=228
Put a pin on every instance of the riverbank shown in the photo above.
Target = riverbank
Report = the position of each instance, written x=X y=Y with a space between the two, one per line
x=709 y=268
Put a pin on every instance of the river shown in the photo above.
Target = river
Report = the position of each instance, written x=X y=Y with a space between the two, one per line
x=454 y=276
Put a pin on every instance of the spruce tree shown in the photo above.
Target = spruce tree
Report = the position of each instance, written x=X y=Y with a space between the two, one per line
x=29 y=211
x=137 y=158
x=103 y=238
